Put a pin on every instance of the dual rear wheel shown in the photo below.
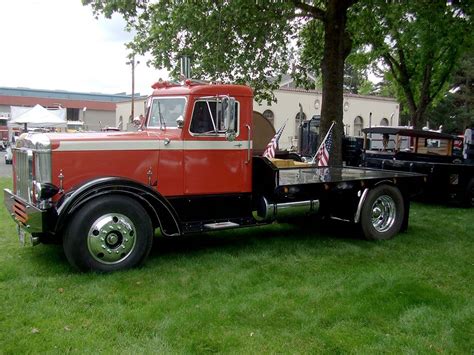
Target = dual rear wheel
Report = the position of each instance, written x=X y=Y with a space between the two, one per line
x=382 y=213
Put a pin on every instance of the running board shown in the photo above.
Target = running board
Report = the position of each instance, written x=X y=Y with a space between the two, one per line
x=221 y=225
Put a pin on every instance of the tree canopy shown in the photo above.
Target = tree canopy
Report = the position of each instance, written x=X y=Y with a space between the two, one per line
x=418 y=42
x=242 y=41
x=455 y=111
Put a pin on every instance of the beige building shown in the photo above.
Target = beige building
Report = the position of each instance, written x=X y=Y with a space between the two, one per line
x=359 y=112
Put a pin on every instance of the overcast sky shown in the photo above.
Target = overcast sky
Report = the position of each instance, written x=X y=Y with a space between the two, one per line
x=59 y=45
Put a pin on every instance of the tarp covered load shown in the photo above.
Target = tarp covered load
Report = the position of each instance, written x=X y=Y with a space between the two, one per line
x=37 y=117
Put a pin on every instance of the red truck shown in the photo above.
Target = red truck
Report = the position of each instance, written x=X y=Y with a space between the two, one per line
x=191 y=169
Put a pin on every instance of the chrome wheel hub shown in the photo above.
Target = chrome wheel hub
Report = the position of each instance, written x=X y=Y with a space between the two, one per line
x=111 y=238
x=383 y=213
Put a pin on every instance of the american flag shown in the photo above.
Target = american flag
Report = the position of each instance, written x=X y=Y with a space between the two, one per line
x=272 y=146
x=322 y=155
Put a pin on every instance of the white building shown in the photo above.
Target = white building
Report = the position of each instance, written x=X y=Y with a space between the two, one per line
x=360 y=111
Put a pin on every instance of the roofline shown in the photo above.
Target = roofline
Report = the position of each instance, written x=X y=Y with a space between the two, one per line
x=63 y=94
x=357 y=96
x=66 y=103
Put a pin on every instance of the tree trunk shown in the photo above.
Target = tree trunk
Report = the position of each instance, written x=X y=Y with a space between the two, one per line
x=337 y=46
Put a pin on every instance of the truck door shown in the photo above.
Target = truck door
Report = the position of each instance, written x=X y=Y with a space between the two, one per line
x=165 y=112
x=215 y=163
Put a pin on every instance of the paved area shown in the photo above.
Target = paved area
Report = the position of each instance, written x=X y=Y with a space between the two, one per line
x=5 y=170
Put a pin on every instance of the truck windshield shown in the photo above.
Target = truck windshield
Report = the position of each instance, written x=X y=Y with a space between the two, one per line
x=165 y=110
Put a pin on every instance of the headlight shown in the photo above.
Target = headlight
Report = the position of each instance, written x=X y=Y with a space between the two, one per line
x=44 y=191
x=37 y=190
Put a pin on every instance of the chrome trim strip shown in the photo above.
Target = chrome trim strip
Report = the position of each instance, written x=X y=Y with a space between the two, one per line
x=359 y=206
x=249 y=148
x=68 y=146
x=149 y=145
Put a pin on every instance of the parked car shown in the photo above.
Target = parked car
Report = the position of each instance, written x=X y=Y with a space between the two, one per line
x=8 y=154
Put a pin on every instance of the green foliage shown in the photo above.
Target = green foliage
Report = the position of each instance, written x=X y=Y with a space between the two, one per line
x=455 y=111
x=366 y=87
x=355 y=79
x=310 y=44
x=419 y=42
x=245 y=41
x=283 y=288
x=237 y=41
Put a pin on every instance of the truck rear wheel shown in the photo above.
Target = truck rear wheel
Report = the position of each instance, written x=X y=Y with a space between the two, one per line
x=382 y=213
x=107 y=234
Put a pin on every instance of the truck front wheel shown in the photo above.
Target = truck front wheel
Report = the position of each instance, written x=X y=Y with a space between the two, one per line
x=107 y=234
x=382 y=213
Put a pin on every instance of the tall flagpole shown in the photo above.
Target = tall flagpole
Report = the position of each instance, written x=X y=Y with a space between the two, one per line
x=324 y=140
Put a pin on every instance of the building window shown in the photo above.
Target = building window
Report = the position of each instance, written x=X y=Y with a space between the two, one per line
x=384 y=122
x=346 y=106
x=72 y=114
x=268 y=114
x=300 y=117
x=358 y=125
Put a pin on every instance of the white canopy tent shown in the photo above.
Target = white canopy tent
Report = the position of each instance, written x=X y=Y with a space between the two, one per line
x=37 y=117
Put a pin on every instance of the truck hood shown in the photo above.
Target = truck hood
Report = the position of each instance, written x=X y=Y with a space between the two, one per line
x=103 y=140
x=93 y=140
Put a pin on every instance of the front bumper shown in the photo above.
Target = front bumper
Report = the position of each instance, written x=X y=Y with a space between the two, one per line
x=28 y=217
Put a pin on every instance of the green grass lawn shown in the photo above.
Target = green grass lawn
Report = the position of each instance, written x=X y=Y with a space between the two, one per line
x=280 y=288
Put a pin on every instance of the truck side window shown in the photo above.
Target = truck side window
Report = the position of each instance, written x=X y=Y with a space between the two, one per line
x=208 y=117
x=202 y=121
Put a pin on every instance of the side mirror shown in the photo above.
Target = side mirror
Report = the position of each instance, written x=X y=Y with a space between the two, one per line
x=228 y=105
x=230 y=135
x=180 y=122
x=139 y=122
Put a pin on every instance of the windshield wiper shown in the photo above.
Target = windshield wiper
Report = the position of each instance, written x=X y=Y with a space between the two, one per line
x=160 y=116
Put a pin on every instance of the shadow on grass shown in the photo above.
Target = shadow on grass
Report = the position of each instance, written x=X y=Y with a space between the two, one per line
x=261 y=237
x=281 y=236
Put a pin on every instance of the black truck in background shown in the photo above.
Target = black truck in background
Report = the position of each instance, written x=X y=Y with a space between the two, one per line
x=449 y=168
x=309 y=143
x=448 y=164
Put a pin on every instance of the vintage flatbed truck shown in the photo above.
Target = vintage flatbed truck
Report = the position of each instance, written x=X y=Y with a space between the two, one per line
x=450 y=178
x=189 y=169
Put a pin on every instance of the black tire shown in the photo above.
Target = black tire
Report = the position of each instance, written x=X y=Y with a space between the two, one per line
x=107 y=234
x=382 y=214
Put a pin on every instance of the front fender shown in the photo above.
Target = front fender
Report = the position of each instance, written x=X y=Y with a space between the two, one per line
x=160 y=210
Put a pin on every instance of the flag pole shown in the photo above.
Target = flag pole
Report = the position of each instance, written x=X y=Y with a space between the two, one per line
x=324 y=140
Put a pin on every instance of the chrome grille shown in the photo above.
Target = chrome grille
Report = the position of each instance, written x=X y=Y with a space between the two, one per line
x=23 y=172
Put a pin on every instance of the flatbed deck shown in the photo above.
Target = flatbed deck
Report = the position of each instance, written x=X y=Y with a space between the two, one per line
x=316 y=175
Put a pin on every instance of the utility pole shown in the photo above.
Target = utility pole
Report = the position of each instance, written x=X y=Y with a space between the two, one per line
x=133 y=64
